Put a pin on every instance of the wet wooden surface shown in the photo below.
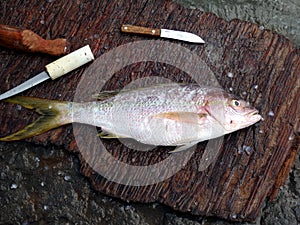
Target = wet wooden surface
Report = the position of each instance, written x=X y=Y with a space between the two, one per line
x=265 y=68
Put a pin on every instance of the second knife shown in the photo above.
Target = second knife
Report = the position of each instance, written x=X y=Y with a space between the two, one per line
x=164 y=33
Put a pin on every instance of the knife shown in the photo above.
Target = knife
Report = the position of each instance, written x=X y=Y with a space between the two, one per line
x=164 y=33
x=55 y=69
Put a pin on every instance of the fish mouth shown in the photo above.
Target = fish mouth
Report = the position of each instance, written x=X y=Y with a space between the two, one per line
x=254 y=112
x=254 y=115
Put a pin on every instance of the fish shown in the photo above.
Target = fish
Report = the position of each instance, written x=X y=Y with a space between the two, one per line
x=178 y=115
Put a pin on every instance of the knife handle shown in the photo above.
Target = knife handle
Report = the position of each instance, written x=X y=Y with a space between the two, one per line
x=27 y=40
x=140 y=30
x=70 y=62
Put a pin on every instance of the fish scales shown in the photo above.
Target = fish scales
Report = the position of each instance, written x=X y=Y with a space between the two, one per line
x=130 y=114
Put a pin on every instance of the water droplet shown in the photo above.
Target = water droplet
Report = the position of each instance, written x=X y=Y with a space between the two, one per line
x=261 y=27
x=230 y=75
x=230 y=89
x=19 y=107
x=255 y=86
x=42 y=21
x=104 y=200
x=67 y=178
x=13 y=186
x=154 y=205
x=50 y=107
x=291 y=138
x=96 y=36
x=244 y=93
x=247 y=149
x=37 y=159
x=45 y=207
x=233 y=216
x=42 y=183
x=240 y=150
x=271 y=113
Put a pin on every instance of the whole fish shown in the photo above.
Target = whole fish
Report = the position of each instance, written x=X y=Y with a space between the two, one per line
x=167 y=115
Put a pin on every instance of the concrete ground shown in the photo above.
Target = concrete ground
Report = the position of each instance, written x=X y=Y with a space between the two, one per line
x=40 y=185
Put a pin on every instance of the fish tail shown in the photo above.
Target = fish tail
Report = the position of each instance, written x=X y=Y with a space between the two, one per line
x=53 y=114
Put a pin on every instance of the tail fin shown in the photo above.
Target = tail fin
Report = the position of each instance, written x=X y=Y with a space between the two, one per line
x=54 y=114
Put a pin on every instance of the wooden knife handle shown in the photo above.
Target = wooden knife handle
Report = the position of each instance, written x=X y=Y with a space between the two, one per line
x=140 y=30
x=27 y=40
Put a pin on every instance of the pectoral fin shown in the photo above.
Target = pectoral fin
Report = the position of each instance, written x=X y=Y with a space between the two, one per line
x=185 y=117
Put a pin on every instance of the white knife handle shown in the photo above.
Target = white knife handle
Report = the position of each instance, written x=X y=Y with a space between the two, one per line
x=70 y=62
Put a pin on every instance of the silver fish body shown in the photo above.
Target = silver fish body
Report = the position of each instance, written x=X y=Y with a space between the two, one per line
x=168 y=115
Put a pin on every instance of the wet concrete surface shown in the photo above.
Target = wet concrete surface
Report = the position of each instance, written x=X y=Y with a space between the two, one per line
x=43 y=185
x=281 y=16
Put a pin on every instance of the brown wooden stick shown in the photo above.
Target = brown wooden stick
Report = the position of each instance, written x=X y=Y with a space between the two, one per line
x=27 y=40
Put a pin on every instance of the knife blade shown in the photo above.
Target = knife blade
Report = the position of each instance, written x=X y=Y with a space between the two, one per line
x=164 y=33
x=55 y=69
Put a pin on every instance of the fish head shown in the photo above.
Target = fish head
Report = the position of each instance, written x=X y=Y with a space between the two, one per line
x=231 y=112
x=239 y=114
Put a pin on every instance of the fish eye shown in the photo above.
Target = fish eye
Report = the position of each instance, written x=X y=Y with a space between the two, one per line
x=236 y=103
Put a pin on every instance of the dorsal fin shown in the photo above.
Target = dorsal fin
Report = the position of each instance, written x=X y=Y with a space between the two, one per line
x=109 y=94
x=105 y=95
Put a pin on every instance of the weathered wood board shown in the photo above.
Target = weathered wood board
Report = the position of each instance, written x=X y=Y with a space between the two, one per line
x=265 y=68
